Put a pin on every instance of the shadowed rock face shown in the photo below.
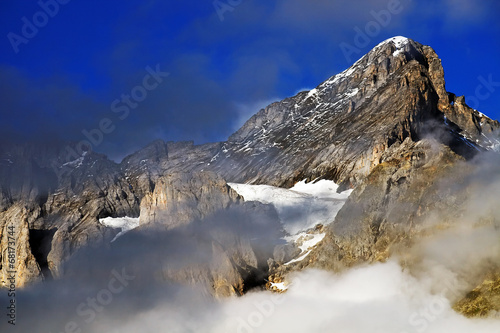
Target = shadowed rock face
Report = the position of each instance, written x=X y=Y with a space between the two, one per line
x=68 y=193
x=235 y=237
x=65 y=194
x=366 y=127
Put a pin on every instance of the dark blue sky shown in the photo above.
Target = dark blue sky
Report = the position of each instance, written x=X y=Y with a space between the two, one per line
x=71 y=73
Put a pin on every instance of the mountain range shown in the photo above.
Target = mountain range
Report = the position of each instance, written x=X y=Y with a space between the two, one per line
x=361 y=169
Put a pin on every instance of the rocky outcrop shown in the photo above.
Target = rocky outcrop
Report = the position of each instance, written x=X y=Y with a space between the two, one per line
x=390 y=208
x=181 y=198
x=393 y=205
x=482 y=301
x=472 y=124
x=143 y=168
x=65 y=198
x=420 y=191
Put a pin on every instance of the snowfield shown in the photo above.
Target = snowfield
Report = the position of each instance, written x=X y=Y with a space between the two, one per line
x=299 y=208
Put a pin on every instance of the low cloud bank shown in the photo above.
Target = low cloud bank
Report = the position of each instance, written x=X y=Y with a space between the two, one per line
x=377 y=298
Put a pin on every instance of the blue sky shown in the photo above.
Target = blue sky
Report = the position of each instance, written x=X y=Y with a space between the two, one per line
x=223 y=64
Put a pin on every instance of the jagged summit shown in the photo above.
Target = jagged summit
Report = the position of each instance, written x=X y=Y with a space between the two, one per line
x=398 y=42
x=391 y=47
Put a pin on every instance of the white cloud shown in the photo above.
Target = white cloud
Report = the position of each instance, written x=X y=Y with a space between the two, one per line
x=377 y=298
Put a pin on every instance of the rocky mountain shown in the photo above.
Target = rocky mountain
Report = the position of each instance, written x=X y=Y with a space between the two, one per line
x=386 y=128
x=340 y=129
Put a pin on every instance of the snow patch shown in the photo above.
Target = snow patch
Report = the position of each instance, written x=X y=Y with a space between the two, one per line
x=310 y=240
x=398 y=51
x=307 y=243
x=399 y=42
x=75 y=163
x=302 y=257
x=124 y=223
x=279 y=286
x=352 y=92
x=312 y=93
x=299 y=208
x=321 y=189
x=491 y=143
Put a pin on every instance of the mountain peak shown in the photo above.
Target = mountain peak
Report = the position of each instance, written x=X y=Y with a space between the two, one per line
x=340 y=129
x=399 y=41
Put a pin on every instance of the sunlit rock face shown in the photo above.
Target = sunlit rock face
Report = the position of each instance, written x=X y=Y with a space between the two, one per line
x=341 y=129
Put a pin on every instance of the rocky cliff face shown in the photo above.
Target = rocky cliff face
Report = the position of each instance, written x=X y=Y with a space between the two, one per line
x=341 y=129
x=236 y=244
x=17 y=257
x=392 y=205
x=64 y=198
x=235 y=237
x=238 y=237
x=182 y=198
x=69 y=192
x=386 y=127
